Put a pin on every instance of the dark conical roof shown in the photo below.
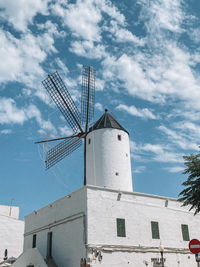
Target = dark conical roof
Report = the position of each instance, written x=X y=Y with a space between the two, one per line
x=107 y=121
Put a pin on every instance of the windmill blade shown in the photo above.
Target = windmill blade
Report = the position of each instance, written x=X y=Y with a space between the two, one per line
x=57 y=139
x=62 y=98
x=88 y=95
x=62 y=150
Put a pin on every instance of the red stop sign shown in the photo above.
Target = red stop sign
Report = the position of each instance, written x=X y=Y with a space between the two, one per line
x=194 y=246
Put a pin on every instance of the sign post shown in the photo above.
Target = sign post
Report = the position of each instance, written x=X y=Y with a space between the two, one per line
x=197 y=257
x=194 y=247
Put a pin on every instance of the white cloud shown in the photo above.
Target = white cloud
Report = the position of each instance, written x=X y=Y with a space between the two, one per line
x=111 y=10
x=99 y=84
x=21 y=58
x=190 y=129
x=18 y=55
x=175 y=169
x=164 y=76
x=192 y=115
x=88 y=49
x=99 y=106
x=139 y=169
x=65 y=131
x=165 y=69
x=20 y=13
x=155 y=152
x=11 y=114
x=131 y=74
x=194 y=35
x=132 y=110
x=182 y=140
x=167 y=15
x=122 y=35
x=6 y=131
x=46 y=127
x=82 y=18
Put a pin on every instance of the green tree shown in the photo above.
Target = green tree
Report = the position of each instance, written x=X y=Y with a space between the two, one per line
x=191 y=194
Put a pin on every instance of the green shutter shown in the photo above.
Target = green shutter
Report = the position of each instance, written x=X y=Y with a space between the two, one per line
x=121 y=231
x=185 y=232
x=155 y=230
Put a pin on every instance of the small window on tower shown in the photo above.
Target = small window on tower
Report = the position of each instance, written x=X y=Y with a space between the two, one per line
x=89 y=141
x=119 y=137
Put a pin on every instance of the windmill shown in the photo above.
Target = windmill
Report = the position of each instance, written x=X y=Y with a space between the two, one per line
x=77 y=120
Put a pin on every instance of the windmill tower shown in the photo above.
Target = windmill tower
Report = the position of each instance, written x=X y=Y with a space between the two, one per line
x=106 y=143
x=108 y=154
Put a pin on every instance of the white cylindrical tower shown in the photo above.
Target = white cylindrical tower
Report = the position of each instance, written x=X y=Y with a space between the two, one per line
x=108 y=161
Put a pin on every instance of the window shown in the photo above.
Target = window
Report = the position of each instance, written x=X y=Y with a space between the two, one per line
x=121 y=231
x=185 y=232
x=49 y=245
x=34 y=241
x=155 y=230
x=89 y=141
x=119 y=137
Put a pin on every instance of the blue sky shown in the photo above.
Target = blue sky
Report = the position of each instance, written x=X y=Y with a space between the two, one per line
x=147 y=60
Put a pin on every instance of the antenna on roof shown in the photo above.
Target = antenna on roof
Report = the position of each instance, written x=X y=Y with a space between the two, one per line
x=76 y=120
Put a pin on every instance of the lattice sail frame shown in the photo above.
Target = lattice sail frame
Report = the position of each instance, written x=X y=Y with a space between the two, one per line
x=62 y=98
x=63 y=149
x=88 y=94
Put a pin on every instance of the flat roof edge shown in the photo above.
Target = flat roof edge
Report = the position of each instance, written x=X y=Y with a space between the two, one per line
x=103 y=189
x=130 y=192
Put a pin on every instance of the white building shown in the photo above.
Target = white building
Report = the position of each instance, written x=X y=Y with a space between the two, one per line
x=106 y=223
x=11 y=232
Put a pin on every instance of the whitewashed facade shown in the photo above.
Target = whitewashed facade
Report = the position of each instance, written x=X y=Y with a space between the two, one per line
x=106 y=223
x=84 y=224
x=11 y=232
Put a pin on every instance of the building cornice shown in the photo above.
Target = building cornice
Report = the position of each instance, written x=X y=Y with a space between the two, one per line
x=136 y=249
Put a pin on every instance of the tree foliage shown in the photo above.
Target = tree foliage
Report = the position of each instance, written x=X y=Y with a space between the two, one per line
x=191 y=194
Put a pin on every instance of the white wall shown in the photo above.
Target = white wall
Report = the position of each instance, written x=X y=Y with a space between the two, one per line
x=138 y=210
x=30 y=257
x=108 y=159
x=10 y=211
x=65 y=218
x=11 y=236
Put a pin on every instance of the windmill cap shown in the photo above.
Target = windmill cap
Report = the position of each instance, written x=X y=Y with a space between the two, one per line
x=107 y=121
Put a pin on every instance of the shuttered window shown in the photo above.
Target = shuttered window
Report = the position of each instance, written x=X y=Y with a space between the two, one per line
x=185 y=232
x=121 y=231
x=155 y=230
